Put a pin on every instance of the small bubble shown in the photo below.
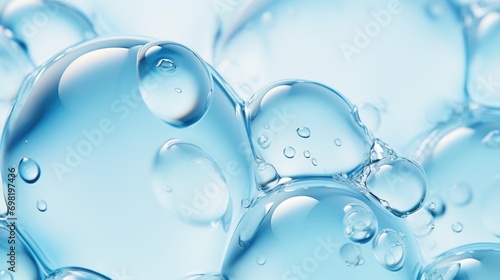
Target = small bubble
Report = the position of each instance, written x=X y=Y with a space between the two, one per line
x=389 y=250
x=457 y=227
x=29 y=170
x=360 y=223
x=492 y=139
x=166 y=66
x=245 y=203
x=436 y=205
x=261 y=260
x=266 y=175
x=459 y=194
x=266 y=17
x=304 y=132
x=351 y=254
x=263 y=142
x=338 y=142
x=432 y=206
x=178 y=90
x=314 y=161
x=41 y=205
x=307 y=154
x=167 y=188
x=289 y=152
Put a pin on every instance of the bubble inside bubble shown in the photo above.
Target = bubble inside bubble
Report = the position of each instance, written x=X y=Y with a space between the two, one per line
x=389 y=249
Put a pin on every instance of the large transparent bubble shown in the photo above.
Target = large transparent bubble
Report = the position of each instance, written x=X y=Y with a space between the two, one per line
x=461 y=161
x=97 y=169
x=401 y=62
x=320 y=229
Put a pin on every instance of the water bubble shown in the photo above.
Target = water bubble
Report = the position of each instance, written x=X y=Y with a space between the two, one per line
x=245 y=203
x=301 y=227
x=263 y=142
x=436 y=205
x=267 y=177
x=261 y=260
x=338 y=142
x=201 y=197
x=45 y=28
x=75 y=273
x=314 y=161
x=457 y=227
x=307 y=154
x=401 y=183
x=167 y=188
x=359 y=222
x=160 y=89
x=460 y=194
x=289 y=105
x=303 y=132
x=289 y=152
x=29 y=170
x=389 y=249
x=41 y=205
x=351 y=254
x=492 y=139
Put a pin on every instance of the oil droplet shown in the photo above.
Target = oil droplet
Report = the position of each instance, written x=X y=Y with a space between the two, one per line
x=29 y=170
x=460 y=194
x=304 y=132
x=338 y=142
x=201 y=195
x=263 y=142
x=457 y=227
x=314 y=161
x=41 y=205
x=267 y=177
x=359 y=222
x=389 y=249
x=492 y=140
x=164 y=66
x=307 y=154
x=289 y=152
x=401 y=183
x=261 y=260
x=5 y=275
x=351 y=254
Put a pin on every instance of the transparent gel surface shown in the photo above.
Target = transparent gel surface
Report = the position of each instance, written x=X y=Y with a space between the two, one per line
x=82 y=120
x=301 y=232
x=402 y=61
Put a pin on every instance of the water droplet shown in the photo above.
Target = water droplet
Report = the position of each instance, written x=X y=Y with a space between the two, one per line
x=266 y=17
x=401 y=183
x=389 y=249
x=434 y=9
x=201 y=196
x=5 y=275
x=436 y=206
x=267 y=177
x=432 y=206
x=460 y=194
x=261 y=260
x=166 y=66
x=457 y=227
x=263 y=142
x=29 y=170
x=337 y=142
x=314 y=161
x=304 y=132
x=359 y=222
x=351 y=254
x=289 y=152
x=307 y=154
x=492 y=139
x=41 y=205
x=167 y=189
x=245 y=203
x=190 y=74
